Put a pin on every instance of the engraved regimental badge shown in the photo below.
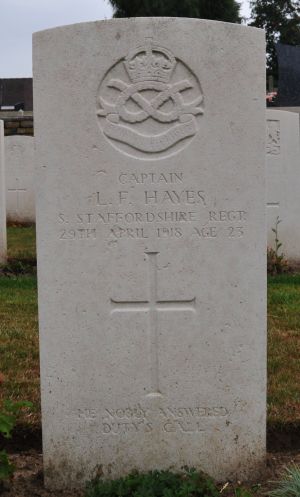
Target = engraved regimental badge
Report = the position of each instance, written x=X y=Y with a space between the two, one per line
x=149 y=102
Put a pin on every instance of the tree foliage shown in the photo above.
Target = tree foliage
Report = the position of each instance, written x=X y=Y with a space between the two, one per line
x=220 y=10
x=280 y=19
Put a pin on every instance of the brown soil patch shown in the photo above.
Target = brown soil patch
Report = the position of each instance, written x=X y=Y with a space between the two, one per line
x=28 y=478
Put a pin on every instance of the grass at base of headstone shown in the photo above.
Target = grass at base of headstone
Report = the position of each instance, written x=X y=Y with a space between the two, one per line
x=19 y=365
x=284 y=349
x=19 y=352
x=155 y=484
x=21 y=242
x=21 y=251
x=289 y=484
x=188 y=483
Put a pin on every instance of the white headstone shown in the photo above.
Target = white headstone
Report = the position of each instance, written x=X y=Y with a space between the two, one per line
x=151 y=243
x=283 y=181
x=3 y=243
x=20 y=203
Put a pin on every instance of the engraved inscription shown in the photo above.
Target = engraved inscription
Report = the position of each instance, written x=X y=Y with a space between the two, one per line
x=152 y=305
x=151 y=205
x=128 y=412
x=172 y=426
x=193 y=412
x=144 y=178
x=123 y=427
x=141 y=419
x=149 y=102
x=79 y=233
x=273 y=137
x=87 y=414
x=166 y=419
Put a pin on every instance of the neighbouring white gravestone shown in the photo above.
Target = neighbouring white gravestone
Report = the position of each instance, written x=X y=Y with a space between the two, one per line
x=3 y=243
x=19 y=170
x=151 y=247
x=283 y=181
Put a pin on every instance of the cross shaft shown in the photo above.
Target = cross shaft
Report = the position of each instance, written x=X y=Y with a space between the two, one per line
x=153 y=306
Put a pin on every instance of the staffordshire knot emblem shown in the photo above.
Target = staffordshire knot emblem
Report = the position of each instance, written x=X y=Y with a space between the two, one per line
x=148 y=103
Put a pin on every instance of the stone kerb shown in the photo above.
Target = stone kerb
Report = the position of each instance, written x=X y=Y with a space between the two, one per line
x=20 y=197
x=3 y=242
x=151 y=247
x=283 y=181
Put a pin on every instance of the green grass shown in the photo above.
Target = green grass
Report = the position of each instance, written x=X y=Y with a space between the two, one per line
x=284 y=349
x=155 y=484
x=188 y=483
x=289 y=485
x=21 y=251
x=21 y=242
x=19 y=336
x=19 y=341
x=19 y=364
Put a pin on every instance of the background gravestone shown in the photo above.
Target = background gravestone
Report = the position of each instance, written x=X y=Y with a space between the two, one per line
x=289 y=75
x=3 y=247
x=151 y=247
x=20 y=201
x=283 y=180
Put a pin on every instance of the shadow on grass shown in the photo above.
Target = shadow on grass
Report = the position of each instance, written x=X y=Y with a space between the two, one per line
x=21 y=258
x=283 y=436
x=17 y=267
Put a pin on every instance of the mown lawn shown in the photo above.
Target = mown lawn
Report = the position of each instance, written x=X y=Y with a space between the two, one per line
x=19 y=354
x=21 y=242
x=284 y=349
x=19 y=337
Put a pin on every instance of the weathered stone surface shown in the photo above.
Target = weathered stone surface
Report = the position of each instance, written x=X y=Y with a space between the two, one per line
x=20 y=197
x=3 y=245
x=283 y=181
x=151 y=247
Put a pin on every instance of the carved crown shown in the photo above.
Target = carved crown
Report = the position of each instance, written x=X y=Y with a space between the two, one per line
x=150 y=63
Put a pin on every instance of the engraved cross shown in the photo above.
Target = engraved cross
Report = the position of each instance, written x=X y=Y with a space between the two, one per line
x=153 y=306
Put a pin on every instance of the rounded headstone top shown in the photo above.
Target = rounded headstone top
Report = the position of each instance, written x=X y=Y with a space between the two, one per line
x=146 y=20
